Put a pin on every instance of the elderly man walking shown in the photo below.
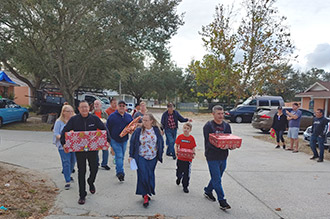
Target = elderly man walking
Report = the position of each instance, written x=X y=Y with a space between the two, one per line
x=116 y=122
x=97 y=111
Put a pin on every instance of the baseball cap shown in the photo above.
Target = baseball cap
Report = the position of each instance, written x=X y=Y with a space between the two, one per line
x=122 y=102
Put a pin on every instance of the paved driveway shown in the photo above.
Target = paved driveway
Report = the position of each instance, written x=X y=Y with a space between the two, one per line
x=258 y=180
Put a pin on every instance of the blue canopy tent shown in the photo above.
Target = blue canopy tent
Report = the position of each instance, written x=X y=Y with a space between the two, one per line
x=6 y=81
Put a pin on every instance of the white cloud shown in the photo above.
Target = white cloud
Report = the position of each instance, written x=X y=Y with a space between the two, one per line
x=320 y=57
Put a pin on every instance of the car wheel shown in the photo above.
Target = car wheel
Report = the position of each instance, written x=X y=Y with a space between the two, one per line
x=265 y=131
x=238 y=119
x=0 y=122
x=129 y=110
x=24 y=117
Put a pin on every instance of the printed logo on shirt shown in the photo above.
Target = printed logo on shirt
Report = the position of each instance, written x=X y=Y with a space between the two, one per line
x=185 y=141
x=90 y=125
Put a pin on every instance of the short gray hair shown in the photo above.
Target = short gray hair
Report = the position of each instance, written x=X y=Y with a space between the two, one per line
x=216 y=108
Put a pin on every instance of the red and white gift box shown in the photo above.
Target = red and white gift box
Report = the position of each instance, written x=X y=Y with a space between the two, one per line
x=186 y=153
x=86 y=141
x=225 y=141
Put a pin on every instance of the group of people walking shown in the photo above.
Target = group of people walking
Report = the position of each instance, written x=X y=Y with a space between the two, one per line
x=145 y=148
x=291 y=120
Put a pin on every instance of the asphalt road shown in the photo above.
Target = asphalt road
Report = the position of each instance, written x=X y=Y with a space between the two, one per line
x=258 y=180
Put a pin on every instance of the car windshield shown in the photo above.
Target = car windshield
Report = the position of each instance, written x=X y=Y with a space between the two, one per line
x=106 y=101
x=247 y=101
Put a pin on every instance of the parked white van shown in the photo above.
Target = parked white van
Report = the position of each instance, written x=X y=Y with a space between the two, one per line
x=264 y=101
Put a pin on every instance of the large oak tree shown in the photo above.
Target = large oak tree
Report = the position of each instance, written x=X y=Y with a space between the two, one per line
x=65 y=41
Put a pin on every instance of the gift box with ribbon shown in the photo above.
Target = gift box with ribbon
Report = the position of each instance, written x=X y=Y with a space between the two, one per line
x=86 y=141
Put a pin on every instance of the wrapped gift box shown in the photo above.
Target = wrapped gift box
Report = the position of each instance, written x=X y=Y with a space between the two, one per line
x=86 y=141
x=130 y=127
x=225 y=141
x=186 y=153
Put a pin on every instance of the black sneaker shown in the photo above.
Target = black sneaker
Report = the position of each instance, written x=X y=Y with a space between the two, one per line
x=209 y=196
x=73 y=171
x=320 y=160
x=174 y=157
x=67 y=186
x=106 y=167
x=283 y=146
x=224 y=205
x=185 y=189
x=71 y=179
x=178 y=181
x=121 y=177
x=313 y=158
x=277 y=146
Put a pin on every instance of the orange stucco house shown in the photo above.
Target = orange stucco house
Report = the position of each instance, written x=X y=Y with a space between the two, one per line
x=20 y=90
x=316 y=97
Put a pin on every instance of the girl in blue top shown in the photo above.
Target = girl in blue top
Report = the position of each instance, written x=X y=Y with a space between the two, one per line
x=68 y=159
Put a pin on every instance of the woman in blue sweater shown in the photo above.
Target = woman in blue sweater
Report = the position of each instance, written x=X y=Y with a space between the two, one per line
x=68 y=159
x=146 y=147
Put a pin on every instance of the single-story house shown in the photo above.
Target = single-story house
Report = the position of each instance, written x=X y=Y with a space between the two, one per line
x=316 y=97
x=6 y=85
x=17 y=88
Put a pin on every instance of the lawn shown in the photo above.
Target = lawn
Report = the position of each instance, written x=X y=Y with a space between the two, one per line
x=33 y=124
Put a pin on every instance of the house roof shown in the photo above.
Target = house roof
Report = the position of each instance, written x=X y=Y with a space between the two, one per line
x=320 y=89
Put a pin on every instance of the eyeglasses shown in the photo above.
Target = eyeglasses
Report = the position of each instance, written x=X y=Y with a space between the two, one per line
x=121 y=105
x=70 y=111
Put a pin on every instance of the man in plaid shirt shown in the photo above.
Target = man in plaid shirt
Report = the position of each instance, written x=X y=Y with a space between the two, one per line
x=169 y=122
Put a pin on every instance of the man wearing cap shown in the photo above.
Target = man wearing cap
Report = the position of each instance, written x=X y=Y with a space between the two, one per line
x=169 y=122
x=294 y=124
x=116 y=122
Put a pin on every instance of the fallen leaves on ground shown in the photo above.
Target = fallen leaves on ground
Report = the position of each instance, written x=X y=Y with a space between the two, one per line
x=24 y=194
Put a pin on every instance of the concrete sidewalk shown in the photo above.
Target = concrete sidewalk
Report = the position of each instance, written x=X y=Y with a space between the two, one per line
x=258 y=180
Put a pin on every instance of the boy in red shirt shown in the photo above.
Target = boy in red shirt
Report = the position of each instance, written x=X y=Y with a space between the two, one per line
x=187 y=141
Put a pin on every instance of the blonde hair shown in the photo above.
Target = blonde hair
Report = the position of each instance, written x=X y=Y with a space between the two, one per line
x=154 y=121
x=65 y=107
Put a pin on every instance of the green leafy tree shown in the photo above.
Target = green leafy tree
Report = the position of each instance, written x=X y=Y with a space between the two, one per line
x=67 y=39
x=263 y=41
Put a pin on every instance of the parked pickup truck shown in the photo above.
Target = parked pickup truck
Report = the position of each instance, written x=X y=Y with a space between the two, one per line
x=51 y=100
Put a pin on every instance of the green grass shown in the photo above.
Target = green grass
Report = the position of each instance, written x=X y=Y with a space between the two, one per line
x=28 y=126
x=24 y=214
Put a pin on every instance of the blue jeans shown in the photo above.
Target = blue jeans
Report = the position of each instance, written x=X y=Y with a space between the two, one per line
x=320 y=141
x=216 y=168
x=68 y=162
x=119 y=148
x=105 y=158
x=170 y=140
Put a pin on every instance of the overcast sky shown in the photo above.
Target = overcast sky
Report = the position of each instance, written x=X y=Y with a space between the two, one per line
x=308 y=20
